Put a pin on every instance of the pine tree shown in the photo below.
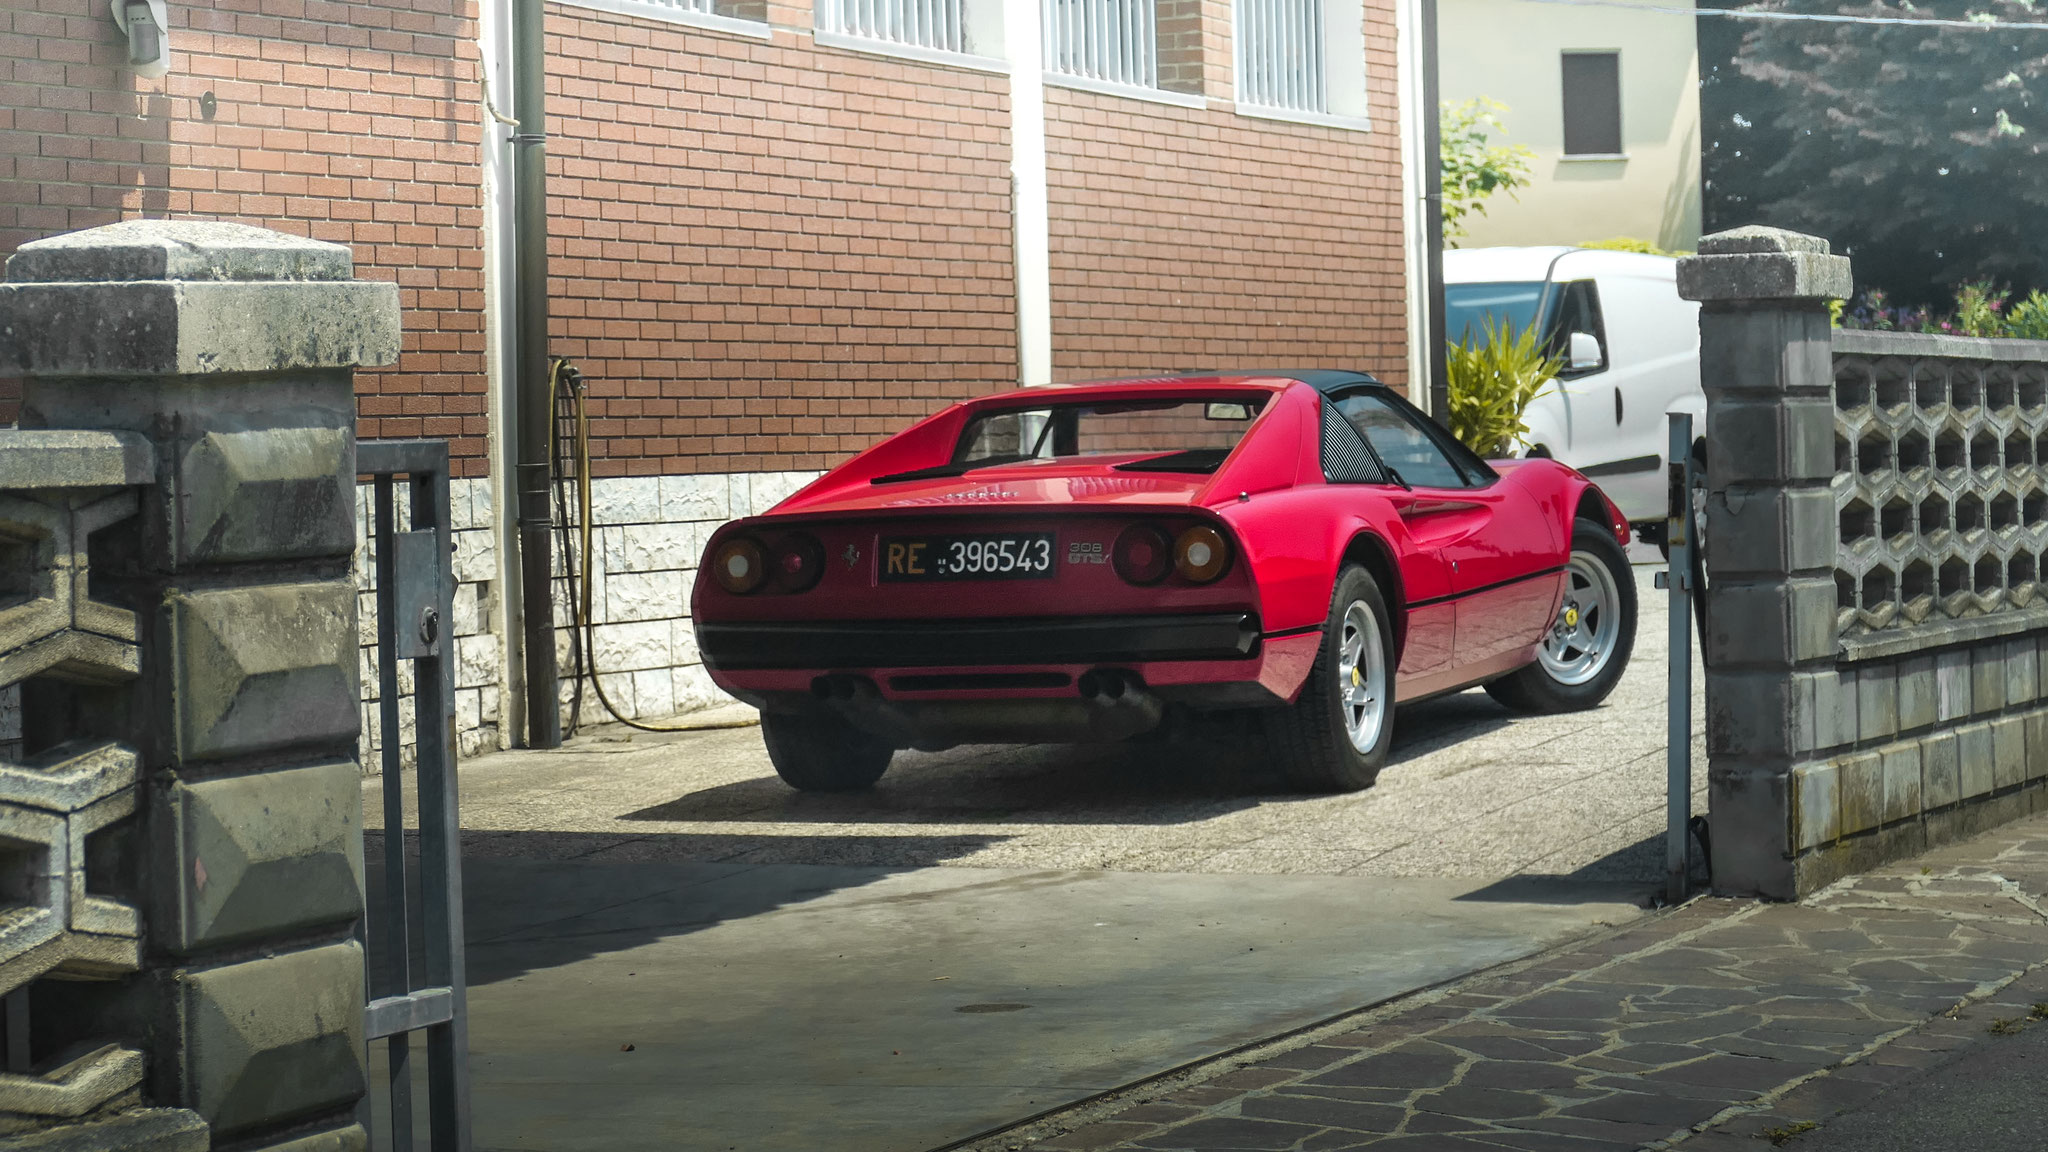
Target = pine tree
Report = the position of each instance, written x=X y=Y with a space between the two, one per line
x=1920 y=152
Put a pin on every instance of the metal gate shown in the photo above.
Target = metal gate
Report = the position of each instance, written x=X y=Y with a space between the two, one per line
x=1684 y=578
x=415 y=968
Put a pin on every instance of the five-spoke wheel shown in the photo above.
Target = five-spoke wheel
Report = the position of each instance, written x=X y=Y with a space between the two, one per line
x=1587 y=645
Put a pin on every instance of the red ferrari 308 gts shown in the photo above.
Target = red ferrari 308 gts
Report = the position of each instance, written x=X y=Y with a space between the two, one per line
x=1098 y=561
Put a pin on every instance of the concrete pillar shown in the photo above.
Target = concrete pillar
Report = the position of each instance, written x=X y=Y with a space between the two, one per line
x=207 y=370
x=1766 y=367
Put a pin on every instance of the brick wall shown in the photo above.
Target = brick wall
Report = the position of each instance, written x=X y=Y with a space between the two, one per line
x=1192 y=238
x=768 y=256
x=350 y=122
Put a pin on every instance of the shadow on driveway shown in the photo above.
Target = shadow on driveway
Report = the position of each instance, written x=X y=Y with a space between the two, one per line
x=538 y=900
x=1140 y=782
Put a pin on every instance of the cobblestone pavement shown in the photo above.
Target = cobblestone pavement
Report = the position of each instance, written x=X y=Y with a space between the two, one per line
x=1720 y=1025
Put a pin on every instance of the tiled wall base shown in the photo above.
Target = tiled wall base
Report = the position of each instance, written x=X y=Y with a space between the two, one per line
x=650 y=532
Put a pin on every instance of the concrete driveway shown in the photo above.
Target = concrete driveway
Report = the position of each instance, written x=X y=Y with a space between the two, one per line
x=669 y=949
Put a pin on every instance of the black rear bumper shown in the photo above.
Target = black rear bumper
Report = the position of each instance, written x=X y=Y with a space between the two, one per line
x=978 y=643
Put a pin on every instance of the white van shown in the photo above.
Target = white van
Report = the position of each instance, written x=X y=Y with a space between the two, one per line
x=1631 y=349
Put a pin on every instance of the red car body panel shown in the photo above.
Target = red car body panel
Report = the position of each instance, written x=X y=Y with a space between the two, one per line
x=1474 y=574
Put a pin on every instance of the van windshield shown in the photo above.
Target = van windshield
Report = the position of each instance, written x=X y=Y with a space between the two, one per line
x=1468 y=308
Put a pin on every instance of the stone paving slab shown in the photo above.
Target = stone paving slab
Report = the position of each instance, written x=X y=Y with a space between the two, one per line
x=1719 y=1025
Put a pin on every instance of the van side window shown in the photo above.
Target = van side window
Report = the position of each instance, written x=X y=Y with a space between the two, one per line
x=1577 y=310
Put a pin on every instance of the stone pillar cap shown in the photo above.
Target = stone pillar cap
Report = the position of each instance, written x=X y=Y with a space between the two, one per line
x=177 y=250
x=1760 y=238
x=190 y=297
x=1754 y=264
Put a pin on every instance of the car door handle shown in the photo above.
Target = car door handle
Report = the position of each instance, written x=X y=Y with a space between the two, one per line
x=1617 y=404
x=1410 y=509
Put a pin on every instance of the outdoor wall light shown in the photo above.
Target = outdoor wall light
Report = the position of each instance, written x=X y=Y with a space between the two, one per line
x=147 y=25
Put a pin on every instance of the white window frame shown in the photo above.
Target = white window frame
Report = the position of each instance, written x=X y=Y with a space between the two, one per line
x=696 y=13
x=1114 y=49
x=1107 y=41
x=1333 y=93
x=969 y=36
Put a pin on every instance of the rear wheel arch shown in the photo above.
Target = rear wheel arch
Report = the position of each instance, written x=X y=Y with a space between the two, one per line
x=1592 y=507
x=1371 y=553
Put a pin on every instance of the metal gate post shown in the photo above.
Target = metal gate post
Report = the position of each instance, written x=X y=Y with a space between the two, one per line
x=415 y=613
x=1677 y=577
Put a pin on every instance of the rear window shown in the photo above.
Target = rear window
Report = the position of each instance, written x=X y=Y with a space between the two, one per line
x=1158 y=435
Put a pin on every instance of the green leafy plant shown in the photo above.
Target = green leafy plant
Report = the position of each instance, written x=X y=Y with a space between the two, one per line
x=1493 y=379
x=2005 y=1026
x=2028 y=319
x=1474 y=167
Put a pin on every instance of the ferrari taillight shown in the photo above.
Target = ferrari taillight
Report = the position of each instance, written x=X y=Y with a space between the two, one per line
x=739 y=566
x=1200 y=554
x=1142 y=554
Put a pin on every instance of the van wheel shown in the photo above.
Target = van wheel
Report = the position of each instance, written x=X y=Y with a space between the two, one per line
x=1334 y=737
x=820 y=752
x=1586 y=648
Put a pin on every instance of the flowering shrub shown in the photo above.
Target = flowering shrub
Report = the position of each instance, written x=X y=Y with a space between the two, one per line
x=1983 y=308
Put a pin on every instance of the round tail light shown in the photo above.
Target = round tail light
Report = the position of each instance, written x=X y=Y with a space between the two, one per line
x=1142 y=554
x=799 y=561
x=1200 y=555
x=739 y=566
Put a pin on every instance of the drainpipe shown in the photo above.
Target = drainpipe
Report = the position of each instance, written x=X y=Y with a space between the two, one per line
x=1433 y=218
x=1030 y=200
x=530 y=368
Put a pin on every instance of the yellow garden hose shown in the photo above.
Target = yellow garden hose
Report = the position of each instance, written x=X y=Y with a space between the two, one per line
x=575 y=563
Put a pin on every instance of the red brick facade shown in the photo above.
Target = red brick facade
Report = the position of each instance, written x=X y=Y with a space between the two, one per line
x=352 y=122
x=1189 y=238
x=766 y=254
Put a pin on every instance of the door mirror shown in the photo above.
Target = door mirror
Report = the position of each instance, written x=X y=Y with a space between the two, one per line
x=1583 y=352
x=1223 y=411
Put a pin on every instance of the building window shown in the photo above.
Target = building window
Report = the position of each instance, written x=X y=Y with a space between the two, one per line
x=1115 y=41
x=1280 y=54
x=741 y=17
x=1302 y=59
x=937 y=24
x=1592 y=103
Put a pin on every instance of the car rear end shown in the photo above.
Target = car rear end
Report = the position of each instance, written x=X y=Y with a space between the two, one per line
x=982 y=620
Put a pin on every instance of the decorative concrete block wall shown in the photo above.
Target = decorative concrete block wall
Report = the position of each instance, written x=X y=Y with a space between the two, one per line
x=180 y=805
x=1877 y=639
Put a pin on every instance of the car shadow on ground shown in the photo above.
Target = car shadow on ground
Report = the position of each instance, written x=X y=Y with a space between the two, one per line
x=534 y=900
x=1139 y=782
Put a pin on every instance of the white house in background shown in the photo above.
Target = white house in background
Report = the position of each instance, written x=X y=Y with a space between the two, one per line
x=1609 y=101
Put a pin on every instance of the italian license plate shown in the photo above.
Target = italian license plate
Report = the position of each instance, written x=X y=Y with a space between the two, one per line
x=968 y=556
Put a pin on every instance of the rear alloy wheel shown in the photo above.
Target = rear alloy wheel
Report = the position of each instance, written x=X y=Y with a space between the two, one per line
x=821 y=752
x=1334 y=737
x=1587 y=646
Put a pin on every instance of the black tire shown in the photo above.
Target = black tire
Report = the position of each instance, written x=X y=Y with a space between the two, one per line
x=1310 y=739
x=1538 y=687
x=820 y=752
